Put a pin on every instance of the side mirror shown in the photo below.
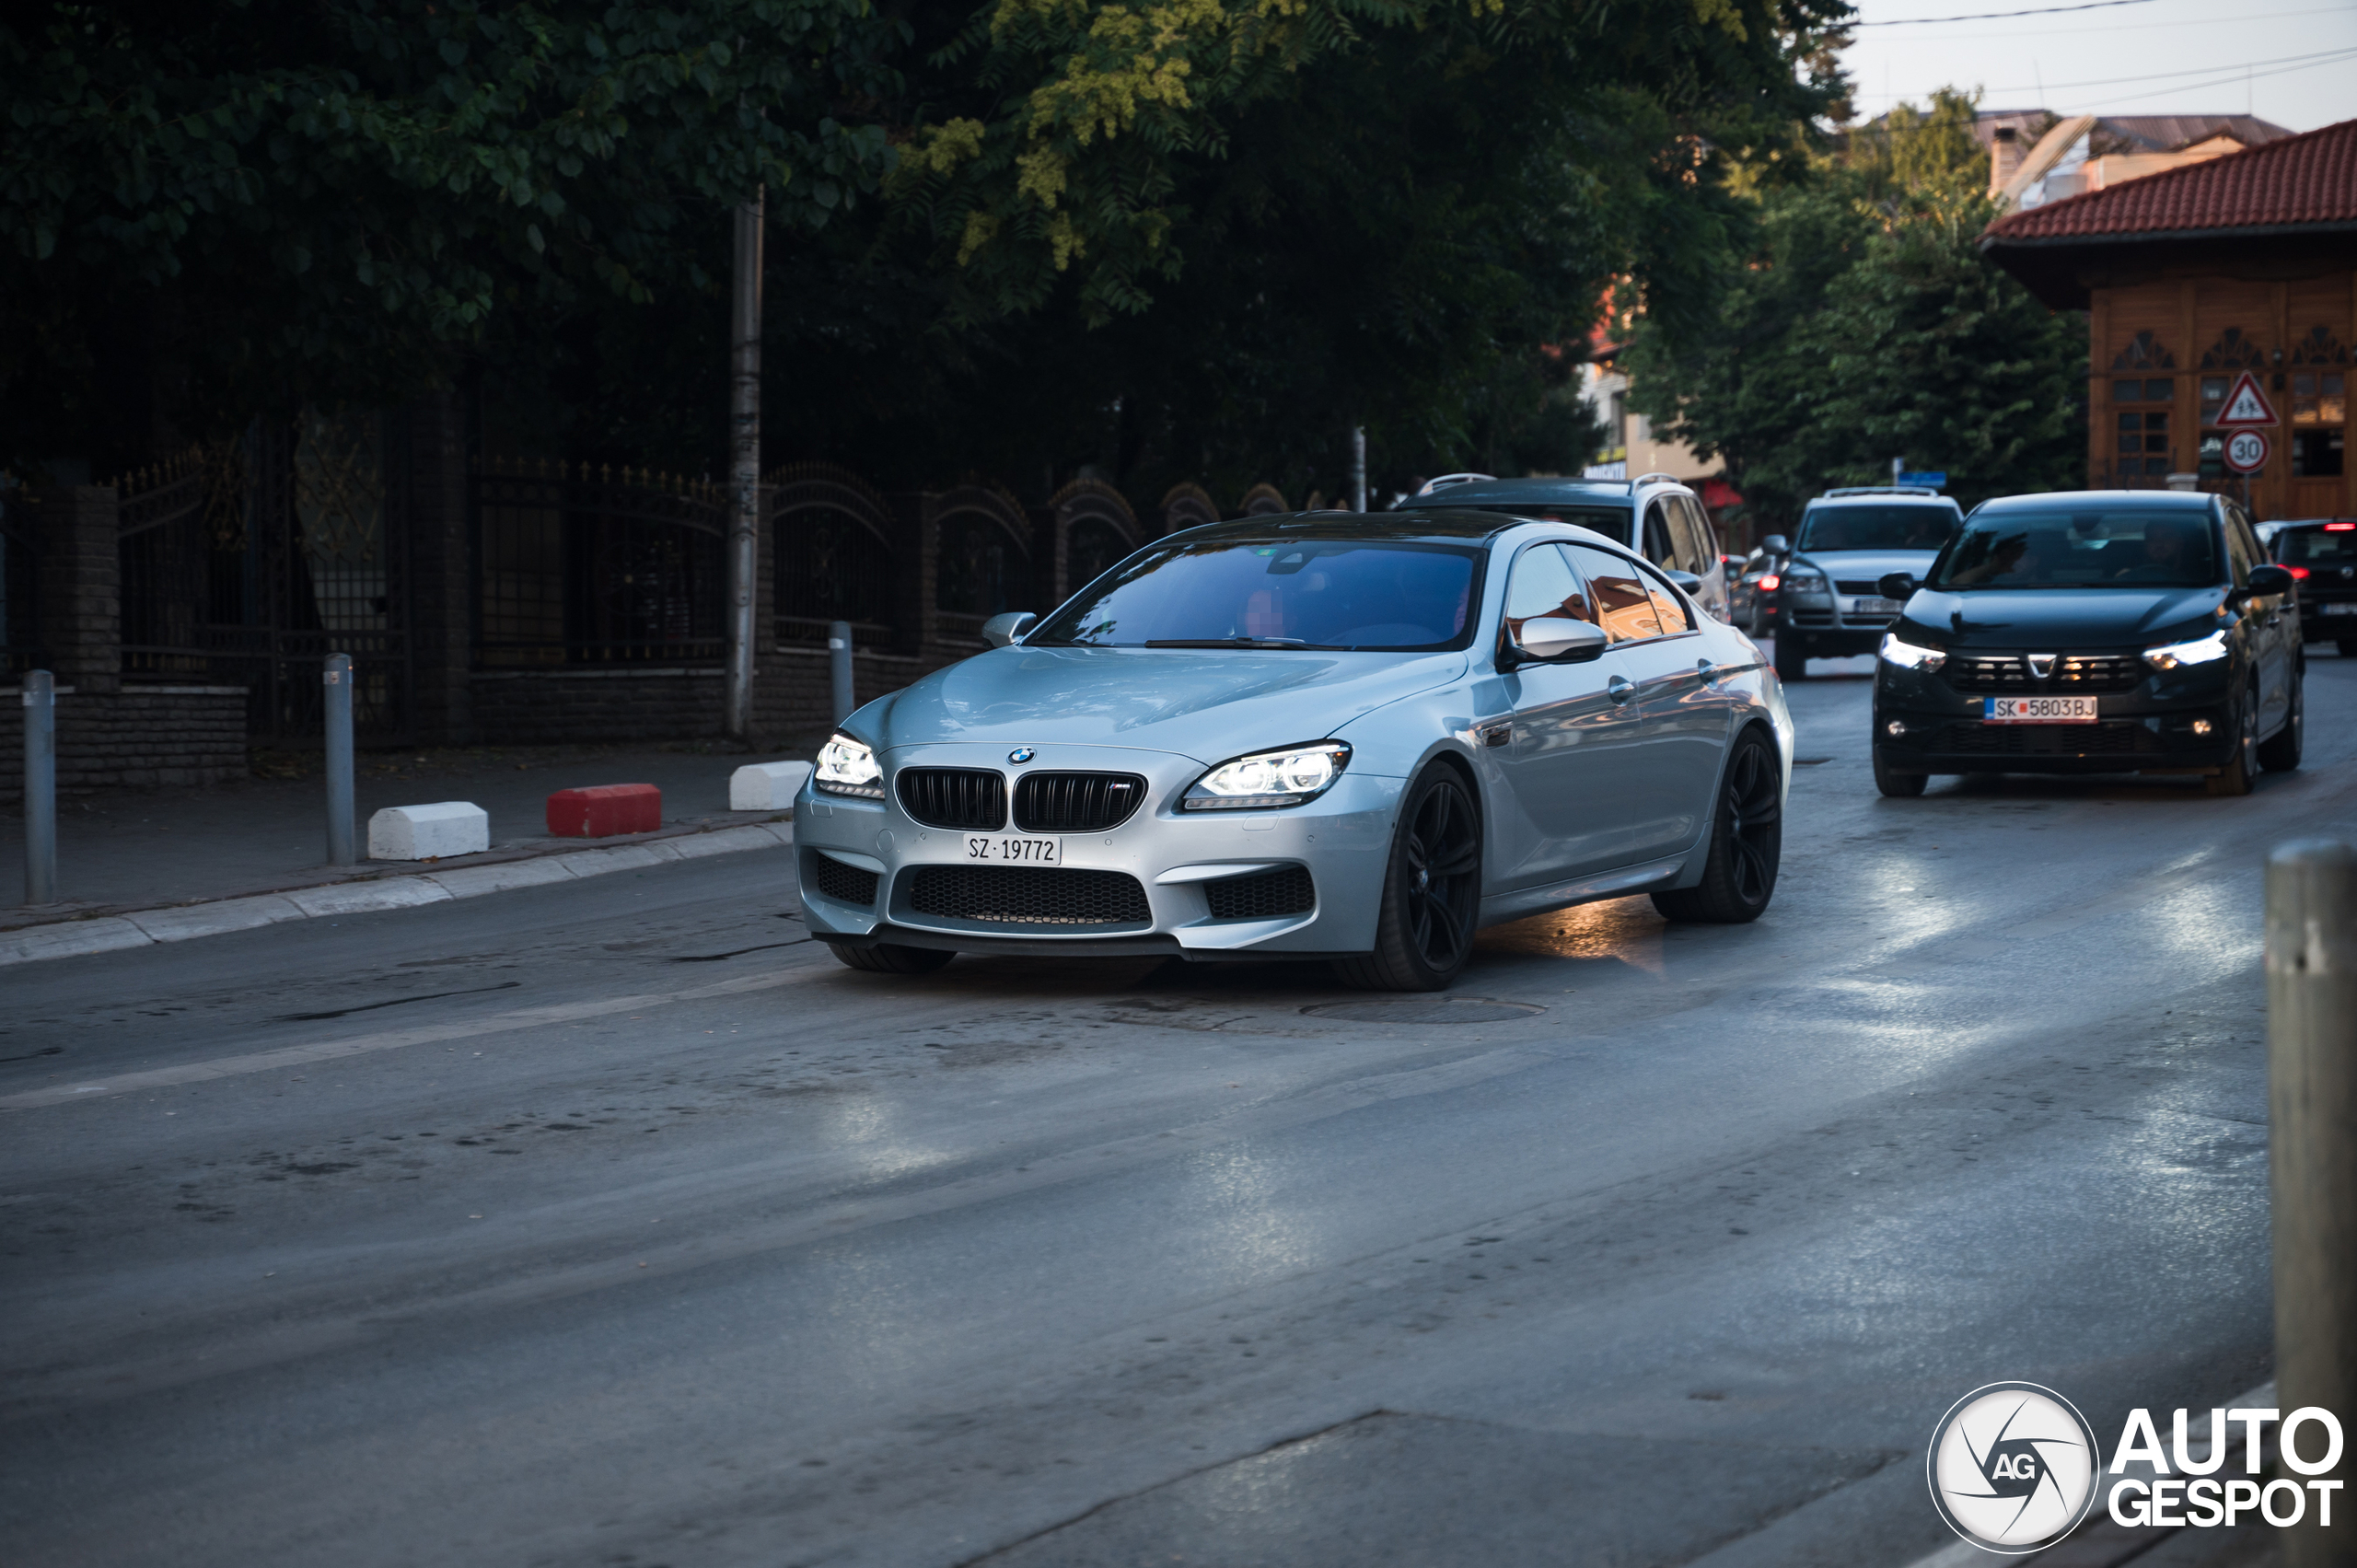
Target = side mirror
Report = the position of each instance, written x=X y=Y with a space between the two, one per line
x=1557 y=639
x=1000 y=630
x=2268 y=581
x=1895 y=585
x=1776 y=544
x=1687 y=580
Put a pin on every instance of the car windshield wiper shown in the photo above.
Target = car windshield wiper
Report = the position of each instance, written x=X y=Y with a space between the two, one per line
x=1286 y=643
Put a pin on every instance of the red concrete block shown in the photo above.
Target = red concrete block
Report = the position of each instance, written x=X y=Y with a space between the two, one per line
x=602 y=810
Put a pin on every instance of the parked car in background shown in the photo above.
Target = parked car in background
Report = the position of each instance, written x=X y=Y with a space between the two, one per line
x=2093 y=631
x=1753 y=598
x=1654 y=515
x=2322 y=554
x=1848 y=540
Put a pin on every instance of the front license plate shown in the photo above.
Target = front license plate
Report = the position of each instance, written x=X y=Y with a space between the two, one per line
x=1010 y=849
x=1878 y=606
x=2038 y=710
x=2346 y=606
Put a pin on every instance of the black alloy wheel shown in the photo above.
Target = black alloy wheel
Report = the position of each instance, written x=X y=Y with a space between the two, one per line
x=1432 y=892
x=2240 y=776
x=892 y=958
x=2280 y=752
x=1746 y=843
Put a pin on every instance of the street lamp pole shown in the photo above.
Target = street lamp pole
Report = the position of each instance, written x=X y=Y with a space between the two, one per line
x=745 y=465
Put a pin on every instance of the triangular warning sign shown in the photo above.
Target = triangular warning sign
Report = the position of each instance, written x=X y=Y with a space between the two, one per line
x=2247 y=406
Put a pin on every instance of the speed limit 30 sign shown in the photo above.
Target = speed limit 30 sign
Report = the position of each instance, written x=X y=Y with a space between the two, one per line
x=2246 y=451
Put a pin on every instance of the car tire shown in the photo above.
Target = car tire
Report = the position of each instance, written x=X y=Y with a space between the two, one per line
x=891 y=957
x=2280 y=752
x=1746 y=842
x=1431 y=890
x=2240 y=776
x=1792 y=659
x=1898 y=785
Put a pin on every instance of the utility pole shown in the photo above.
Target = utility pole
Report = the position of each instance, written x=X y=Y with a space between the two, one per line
x=1358 y=468
x=745 y=464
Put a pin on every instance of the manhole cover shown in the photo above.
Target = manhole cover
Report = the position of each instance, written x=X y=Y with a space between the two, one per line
x=1427 y=1010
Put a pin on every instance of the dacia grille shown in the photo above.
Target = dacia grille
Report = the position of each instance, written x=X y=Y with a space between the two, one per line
x=1076 y=803
x=968 y=798
x=1009 y=894
x=2071 y=673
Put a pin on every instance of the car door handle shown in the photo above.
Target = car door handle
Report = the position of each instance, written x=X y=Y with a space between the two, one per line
x=1619 y=689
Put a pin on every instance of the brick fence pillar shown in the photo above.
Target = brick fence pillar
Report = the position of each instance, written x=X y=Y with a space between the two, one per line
x=81 y=586
x=441 y=560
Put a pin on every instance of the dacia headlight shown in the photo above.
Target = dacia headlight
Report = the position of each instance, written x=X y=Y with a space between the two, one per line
x=847 y=767
x=1907 y=655
x=1289 y=777
x=2176 y=655
x=1803 y=582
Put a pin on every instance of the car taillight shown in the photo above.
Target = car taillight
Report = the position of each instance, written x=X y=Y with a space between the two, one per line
x=1770 y=582
x=2300 y=572
x=2339 y=528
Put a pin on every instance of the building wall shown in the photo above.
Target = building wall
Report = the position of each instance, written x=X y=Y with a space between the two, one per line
x=155 y=736
x=2190 y=316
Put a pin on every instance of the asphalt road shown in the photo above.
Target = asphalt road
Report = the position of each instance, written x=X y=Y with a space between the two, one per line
x=616 y=1224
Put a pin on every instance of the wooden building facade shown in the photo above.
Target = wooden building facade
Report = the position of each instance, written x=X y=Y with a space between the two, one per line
x=2191 y=278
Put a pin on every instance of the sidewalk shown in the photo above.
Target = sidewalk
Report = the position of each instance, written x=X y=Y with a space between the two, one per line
x=128 y=849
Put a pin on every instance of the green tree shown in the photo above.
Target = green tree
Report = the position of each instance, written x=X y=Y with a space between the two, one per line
x=1864 y=325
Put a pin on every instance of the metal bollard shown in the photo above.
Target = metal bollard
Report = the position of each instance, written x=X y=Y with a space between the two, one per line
x=40 y=787
x=2311 y=1154
x=337 y=678
x=838 y=662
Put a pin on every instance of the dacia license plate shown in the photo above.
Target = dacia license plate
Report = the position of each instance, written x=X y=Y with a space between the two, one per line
x=2038 y=710
x=1014 y=849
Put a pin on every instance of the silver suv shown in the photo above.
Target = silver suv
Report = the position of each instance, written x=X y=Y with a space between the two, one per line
x=1831 y=604
x=1652 y=514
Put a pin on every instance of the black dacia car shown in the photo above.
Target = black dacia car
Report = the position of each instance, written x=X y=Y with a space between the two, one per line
x=2322 y=557
x=2092 y=632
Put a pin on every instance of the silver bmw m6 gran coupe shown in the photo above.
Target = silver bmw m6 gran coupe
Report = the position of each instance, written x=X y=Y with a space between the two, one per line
x=1337 y=736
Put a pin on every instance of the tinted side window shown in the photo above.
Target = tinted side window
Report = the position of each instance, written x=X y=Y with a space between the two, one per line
x=1544 y=583
x=2242 y=551
x=1658 y=546
x=1667 y=608
x=1624 y=609
x=1706 y=538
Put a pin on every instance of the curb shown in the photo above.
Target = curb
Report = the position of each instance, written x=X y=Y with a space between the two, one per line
x=182 y=923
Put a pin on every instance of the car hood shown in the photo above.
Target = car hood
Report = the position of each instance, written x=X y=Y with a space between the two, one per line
x=1865 y=565
x=2063 y=617
x=1209 y=705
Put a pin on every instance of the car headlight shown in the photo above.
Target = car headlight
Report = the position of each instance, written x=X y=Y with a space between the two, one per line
x=2202 y=650
x=1805 y=584
x=1292 y=776
x=1907 y=655
x=847 y=767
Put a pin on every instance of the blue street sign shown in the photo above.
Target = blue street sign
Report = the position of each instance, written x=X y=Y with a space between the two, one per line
x=1935 y=479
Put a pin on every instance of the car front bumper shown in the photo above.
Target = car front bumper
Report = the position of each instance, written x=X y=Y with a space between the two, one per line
x=2149 y=728
x=1191 y=875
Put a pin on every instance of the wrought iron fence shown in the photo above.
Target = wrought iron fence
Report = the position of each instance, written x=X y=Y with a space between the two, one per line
x=248 y=563
x=597 y=567
x=21 y=645
x=832 y=566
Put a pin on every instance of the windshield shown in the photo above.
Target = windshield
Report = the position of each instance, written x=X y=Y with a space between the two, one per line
x=2333 y=545
x=2087 y=548
x=1827 y=528
x=1310 y=594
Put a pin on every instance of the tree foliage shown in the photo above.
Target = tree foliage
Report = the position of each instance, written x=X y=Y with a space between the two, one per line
x=1865 y=326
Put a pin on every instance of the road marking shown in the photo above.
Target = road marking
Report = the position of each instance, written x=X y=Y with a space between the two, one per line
x=390 y=1040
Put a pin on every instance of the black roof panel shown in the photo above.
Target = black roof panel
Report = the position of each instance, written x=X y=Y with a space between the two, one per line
x=1434 y=525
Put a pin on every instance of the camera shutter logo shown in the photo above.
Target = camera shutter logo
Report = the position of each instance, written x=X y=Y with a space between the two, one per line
x=2013 y=1467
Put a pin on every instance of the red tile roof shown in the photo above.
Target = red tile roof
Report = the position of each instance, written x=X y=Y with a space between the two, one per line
x=2300 y=180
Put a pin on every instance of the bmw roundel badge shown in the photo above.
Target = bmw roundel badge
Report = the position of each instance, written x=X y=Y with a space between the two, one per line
x=1021 y=755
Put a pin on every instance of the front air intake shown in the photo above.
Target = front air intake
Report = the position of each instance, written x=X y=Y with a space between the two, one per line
x=966 y=798
x=1023 y=896
x=1076 y=803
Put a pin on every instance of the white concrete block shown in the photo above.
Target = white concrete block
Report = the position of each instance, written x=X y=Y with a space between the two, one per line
x=766 y=787
x=429 y=832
